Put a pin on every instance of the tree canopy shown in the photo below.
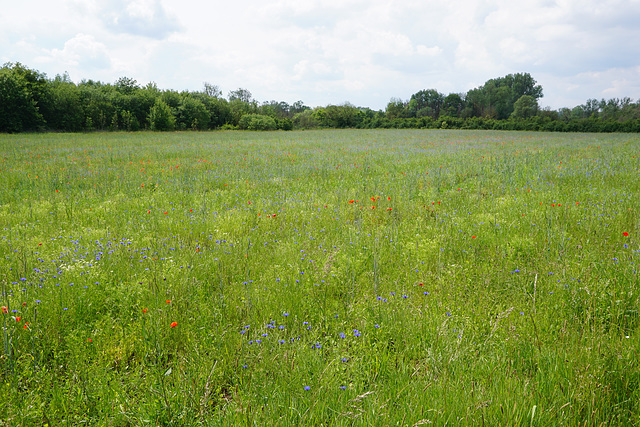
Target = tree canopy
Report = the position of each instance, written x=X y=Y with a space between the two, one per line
x=30 y=101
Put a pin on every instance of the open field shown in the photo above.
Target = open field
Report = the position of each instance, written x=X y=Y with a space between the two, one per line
x=320 y=277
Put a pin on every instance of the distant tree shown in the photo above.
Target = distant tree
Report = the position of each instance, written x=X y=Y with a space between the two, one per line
x=426 y=103
x=239 y=108
x=305 y=119
x=126 y=86
x=193 y=114
x=298 y=107
x=591 y=107
x=240 y=95
x=160 y=116
x=396 y=108
x=18 y=109
x=526 y=106
x=66 y=113
x=212 y=90
x=496 y=98
x=452 y=105
x=257 y=122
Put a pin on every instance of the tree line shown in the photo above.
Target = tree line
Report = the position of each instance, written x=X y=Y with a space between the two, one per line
x=30 y=101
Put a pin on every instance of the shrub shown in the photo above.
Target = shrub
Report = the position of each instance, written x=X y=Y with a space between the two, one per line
x=257 y=122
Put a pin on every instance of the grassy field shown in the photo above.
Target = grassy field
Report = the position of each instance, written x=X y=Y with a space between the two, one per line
x=320 y=278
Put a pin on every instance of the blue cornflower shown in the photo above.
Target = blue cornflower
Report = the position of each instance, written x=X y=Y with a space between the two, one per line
x=356 y=333
x=307 y=388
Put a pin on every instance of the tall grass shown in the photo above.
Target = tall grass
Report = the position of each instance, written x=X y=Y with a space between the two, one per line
x=332 y=277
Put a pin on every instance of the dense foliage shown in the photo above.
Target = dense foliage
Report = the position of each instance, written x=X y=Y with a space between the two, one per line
x=30 y=101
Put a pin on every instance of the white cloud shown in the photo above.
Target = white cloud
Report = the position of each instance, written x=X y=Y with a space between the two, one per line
x=330 y=51
x=139 y=17
x=81 y=51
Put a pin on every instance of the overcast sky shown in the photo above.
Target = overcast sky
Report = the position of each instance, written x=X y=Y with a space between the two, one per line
x=330 y=52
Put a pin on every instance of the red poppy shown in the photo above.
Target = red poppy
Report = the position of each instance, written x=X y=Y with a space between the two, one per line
x=26 y=325
x=5 y=310
x=144 y=310
x=174 y=324
x=625 y=234
x=473 y=237
x=18 y=318
x=350 y=201
x=168 y=301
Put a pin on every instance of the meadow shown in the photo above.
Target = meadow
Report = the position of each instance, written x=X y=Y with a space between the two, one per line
x=387 y=277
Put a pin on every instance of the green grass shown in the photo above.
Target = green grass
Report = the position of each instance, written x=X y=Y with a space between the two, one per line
x=320 y=278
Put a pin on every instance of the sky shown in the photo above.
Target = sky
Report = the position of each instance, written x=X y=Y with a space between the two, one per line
x=323 y=52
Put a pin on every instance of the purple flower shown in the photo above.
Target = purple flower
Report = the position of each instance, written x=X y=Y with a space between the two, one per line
x=307 y=388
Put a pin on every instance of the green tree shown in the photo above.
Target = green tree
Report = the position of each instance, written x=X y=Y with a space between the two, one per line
x=193 y=114
x=18 y=110
x=452 y=105
x=67 y=113
x=257 y=122
x=426 y=103
x=526 y=106
x=212 y=90
x=160 y=116
x=396 y=108
x=240 y=94
x=126 y=86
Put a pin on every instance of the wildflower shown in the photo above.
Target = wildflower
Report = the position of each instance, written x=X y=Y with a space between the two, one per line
x=625 y=234
x=174 y=324
x=18 y=318
x=356 y=333
x=307 y=388
x=144 y=310
x=26 y=325
x=5 y=310
x=473 y=237
x=89 y=340
x=168 y=301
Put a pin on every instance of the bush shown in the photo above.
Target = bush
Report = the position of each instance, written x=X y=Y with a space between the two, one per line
x=257 y=122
